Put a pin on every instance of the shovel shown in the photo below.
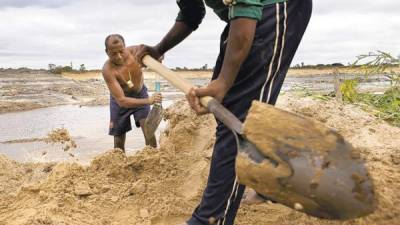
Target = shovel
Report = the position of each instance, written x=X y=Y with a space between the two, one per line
x=293 y=160
x=155 y=115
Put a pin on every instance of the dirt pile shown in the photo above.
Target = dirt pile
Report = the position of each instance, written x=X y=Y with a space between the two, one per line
x=155 y=186
x=61 y=135
x=162 y=186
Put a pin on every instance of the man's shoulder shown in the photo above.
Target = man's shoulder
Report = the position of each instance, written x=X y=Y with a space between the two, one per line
x=107 y=69
x=132 y=49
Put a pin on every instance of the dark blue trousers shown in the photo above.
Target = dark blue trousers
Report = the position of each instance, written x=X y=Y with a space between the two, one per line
x=261 y=76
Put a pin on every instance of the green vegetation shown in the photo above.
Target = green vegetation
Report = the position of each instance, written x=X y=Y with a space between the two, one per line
x=387 y=105
x=349 y=90
x=60 y=69
x=317 y=66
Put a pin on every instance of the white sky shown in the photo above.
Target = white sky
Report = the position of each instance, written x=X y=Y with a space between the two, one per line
x=35 y=33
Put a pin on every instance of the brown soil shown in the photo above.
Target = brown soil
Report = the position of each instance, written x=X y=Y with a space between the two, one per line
x=61 y=135
x=148 y=74
x=187 y=74
x=36 y=89
x=25 y=140
x=25 y=90
x=13 y=106
x=162 y=186
x=331 y=70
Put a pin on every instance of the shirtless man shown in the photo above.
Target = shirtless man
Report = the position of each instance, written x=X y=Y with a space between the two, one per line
x=124 y=79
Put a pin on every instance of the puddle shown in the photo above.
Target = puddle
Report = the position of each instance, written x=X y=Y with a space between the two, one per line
x=88 y=126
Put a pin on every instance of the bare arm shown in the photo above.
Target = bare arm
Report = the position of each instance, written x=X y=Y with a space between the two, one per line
x=117 y=92
x=240 y=39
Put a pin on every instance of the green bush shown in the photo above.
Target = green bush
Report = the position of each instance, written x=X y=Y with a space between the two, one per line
x=387 y=104
x=349 y=90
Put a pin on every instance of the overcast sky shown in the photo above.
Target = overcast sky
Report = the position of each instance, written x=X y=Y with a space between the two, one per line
x=35 y=33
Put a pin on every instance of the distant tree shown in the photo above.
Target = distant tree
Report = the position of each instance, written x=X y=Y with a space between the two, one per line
x=67 y=69
x=52 y=67
x=82 y=68
x=302 y=64
x=337 y=64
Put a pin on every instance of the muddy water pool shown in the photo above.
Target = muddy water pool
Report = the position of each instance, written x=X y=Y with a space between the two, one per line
x=88 y=126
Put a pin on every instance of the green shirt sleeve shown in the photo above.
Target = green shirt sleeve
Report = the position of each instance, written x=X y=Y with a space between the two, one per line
x=246 y=8
x=249 y=8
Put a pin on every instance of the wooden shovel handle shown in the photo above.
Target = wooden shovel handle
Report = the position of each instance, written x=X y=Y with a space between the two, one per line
x=172 y=77
x=219 y=111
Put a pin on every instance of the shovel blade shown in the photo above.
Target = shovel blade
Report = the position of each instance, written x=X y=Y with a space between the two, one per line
x=304 y=165
x=338 y=182
x=153 y=120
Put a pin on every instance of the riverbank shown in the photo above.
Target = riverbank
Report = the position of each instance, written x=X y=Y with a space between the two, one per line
x=162 y=186
x=26 y=90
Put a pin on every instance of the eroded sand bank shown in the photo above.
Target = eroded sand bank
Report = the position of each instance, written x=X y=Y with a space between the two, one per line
x=162 y=186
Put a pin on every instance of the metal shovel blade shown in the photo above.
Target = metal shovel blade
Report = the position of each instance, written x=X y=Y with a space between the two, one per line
x=302 y=164
x=153 y=120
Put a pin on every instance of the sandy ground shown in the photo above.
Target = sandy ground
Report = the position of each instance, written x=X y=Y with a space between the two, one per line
x=27 y=89
x=162 y=186
x=324 y=71
x=300 y=72
x=148 y=74
x=36 y=89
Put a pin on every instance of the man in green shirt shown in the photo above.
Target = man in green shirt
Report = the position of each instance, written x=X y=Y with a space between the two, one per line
x=256 y=49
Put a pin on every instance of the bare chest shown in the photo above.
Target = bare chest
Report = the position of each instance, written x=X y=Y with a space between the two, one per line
x=130 y=78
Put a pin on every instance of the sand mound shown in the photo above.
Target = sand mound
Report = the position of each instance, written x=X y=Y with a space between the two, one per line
x=155 y=186
x=61 y=135
x=162 y=186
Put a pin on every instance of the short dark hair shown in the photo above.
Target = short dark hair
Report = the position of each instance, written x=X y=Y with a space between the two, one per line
x=111 y=36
